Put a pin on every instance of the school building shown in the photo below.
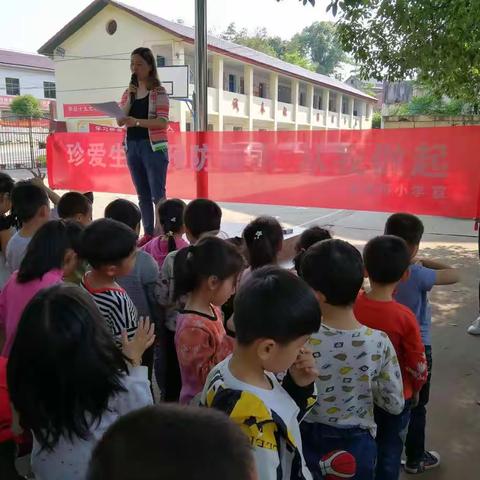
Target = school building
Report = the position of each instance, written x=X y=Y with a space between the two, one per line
x=247 y=90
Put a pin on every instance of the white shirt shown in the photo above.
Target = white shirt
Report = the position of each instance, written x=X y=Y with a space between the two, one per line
x=69 y=460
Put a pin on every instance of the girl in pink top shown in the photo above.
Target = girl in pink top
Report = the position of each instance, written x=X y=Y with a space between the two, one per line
x=170 y=214
x=51 y=255
x=208 y=273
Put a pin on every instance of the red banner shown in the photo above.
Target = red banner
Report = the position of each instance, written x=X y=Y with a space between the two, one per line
x=425 y=171
x=6 y=100
x=93 y=127
x=77 y=110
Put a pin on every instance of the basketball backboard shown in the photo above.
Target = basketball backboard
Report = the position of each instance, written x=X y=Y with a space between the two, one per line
x=174 y=79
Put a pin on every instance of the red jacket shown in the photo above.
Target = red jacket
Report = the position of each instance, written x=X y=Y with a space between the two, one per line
x=401 y=326
x=5 y=410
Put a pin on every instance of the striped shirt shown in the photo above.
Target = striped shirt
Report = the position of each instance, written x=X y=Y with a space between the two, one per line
x=117 y=309
x=158 y=107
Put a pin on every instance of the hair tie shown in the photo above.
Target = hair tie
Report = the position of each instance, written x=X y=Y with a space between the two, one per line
x=173 y=219
x=169 y=234
x=258 y=234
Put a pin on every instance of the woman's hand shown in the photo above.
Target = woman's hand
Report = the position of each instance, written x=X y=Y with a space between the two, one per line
x=144 y=337
x=132 y=89
x=129 y=121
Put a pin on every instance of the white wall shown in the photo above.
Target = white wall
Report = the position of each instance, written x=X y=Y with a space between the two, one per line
x=31 y=81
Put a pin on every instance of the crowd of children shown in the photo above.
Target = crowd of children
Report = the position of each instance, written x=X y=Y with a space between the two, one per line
x=304 y=362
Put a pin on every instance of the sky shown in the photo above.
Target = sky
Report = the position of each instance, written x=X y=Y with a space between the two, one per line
x=25 y=25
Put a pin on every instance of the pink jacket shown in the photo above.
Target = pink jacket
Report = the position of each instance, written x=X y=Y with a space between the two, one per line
x=15 y=297
x=158 y=248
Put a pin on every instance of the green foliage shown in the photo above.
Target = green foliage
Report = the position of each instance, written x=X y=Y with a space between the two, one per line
x=41 y=161
x=26 y=106
x=436 y=41
x=316 y=48
x=429 y=104
x=319 y=42
x=377 y=120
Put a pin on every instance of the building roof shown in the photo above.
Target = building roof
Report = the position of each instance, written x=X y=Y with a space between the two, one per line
x=216 y=44
x=25 y=60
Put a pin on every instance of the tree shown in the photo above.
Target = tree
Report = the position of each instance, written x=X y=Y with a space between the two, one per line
x=320 y=43
x=435 y=41
x=27 y=106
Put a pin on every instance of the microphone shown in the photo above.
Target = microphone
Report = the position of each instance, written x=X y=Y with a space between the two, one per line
x=134 y=82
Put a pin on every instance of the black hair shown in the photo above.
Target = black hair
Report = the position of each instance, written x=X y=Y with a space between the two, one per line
x=6 y=183
x=202 y=216
x=46 y=251
x=89 y=196
x=334 y=268
x=406 y=226
x=274 y=303
x=308 y=238
x=157 y=438
x=147 y=55
x=107 y=242
x=386 y=259
x=64 y=365
x=124 y=211
x=73 y=203
x=27 y=199
x=211 y=256
x=263 y=239
x=170 y=214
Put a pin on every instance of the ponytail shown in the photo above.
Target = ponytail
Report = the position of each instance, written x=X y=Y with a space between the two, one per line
x=212 y=256
x=264 y=239
x=170 y=214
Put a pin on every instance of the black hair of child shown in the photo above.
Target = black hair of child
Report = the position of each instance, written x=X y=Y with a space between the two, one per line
x=170 y=215
x=386 y=259
x=211 y=256
x=61 y=330
x=27 y=199
x=158 y=438
x=202 y=216
x=335 y=269
x=89 y=196
x=6 y=183
x=46 y=251
x=124 y=211
x=308 y=238
x=275 y=303
x=73 y=203
x=263 y=239
x=406 y=226
x=107 y=242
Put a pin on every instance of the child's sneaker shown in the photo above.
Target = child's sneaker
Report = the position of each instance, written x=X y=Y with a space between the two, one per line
x=474 y=328
x=430 y=460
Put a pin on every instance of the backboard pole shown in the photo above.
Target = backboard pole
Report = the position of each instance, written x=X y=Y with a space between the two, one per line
x=201 y=91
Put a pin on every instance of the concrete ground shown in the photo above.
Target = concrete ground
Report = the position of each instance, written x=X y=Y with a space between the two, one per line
x=454 y=411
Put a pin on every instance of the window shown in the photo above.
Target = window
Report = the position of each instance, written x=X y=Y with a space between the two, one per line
x=242 y=85
x=161 y=61
x=209 y=77
x=111 y=27
x=49 y=90
x=262 y=90
x=302 y=99
x=12 y=86
x=319 y=101
x=232 y=83
x=344 y=105
x=332 y=103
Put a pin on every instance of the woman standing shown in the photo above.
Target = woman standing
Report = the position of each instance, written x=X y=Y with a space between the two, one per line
x=146 y=107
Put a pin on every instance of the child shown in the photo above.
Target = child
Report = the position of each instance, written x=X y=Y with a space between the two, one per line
x=275 y=313
x=309 y=237
x=69 y=382
x=264 y=239
x=386 y=261
x=170 y=213
x=208 y=273
x=202 y=217
x=140 y=282
x=75 y=206
x=158 y=438
x=413 y=293
x=30 y=209
x=6 y=223
x=110 y=249
x=51 y=255
x=358 y=366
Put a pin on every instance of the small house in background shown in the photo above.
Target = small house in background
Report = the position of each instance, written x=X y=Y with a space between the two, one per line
x=26 y=73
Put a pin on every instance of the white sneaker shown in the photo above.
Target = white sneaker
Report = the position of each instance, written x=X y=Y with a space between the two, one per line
x=474 y=328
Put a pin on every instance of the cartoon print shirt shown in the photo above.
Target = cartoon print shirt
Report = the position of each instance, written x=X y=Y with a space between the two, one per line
x=357 y=369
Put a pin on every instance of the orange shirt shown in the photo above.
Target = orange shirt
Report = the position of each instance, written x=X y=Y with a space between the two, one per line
x=401 y=326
